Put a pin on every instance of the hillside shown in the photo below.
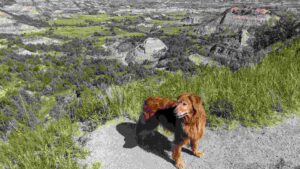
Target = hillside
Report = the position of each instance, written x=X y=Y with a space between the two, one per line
x=73 y=65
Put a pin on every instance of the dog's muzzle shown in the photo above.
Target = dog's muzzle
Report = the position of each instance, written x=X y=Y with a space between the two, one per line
x=181 y=114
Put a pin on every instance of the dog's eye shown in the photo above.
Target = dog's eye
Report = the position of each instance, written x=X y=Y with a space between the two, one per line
x=184 y=104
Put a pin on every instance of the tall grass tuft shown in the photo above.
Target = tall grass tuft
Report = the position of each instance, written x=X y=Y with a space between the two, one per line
x=48 y=146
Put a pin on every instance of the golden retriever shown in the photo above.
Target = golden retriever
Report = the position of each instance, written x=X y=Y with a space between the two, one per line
x=185 y=117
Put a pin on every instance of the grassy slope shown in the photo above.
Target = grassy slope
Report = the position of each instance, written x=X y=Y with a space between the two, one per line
x=50 y=144
x=253 y=92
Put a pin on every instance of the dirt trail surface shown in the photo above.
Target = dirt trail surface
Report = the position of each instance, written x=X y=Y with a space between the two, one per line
x=242 y=148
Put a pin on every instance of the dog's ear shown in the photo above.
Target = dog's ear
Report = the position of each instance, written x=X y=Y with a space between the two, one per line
x=197 y=104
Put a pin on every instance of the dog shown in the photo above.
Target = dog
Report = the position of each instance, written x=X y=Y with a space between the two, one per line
x=185 y=117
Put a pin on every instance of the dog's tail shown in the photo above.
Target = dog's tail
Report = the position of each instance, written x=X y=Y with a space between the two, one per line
x=147 y=121
x=153 y=104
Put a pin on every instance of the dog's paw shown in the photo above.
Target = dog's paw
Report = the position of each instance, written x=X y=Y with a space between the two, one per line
x=198 y=153
x=180 y=164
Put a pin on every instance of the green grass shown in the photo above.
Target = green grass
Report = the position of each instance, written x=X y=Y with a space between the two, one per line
x=96 y=165
x=162 y=22
x=168 y=26
x=106 y=17
x=85 y=32
x=47 y=104
x=48 y=146
x=253 y=91
x=3 y=43
x=178 y=15
x=84 y=20
x=37 y=33
x=68 y=22
x=96 y=106
x=80 y=32
x=172 y=30
x=8 y=85
x=123 y=33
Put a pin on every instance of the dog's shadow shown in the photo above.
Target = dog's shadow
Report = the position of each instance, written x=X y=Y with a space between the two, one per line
x=155 y=143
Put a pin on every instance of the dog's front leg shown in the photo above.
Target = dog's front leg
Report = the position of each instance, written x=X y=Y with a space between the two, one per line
x=177 y=154
x=195 y=150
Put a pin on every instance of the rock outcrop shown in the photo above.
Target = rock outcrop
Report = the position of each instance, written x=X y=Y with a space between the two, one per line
x=131 y=51
x=151 y=50
x=9 y=25
x=237 y=36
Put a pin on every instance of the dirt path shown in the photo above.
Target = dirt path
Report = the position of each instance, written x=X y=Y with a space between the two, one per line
x=243 y=148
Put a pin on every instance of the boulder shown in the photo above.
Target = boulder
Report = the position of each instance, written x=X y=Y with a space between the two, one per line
x=151 y=50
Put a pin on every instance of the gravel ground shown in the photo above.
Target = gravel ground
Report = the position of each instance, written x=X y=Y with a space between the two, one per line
x=276 y=147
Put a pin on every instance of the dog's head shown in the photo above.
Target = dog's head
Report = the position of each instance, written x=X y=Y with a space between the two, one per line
x=188 y=105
